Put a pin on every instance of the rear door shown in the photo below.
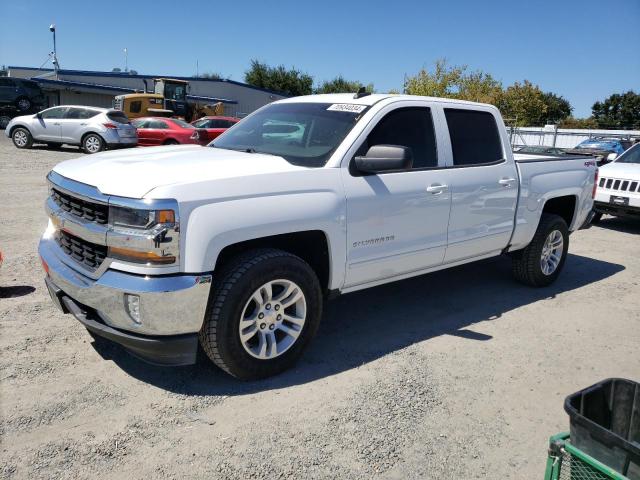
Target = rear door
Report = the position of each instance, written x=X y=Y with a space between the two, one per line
x=483 y=182
x=74 y=124
x=156 y=132
x=46 y=126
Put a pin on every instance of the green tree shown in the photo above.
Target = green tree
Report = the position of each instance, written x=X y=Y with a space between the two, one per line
x=341 y=85
x=618 y=111
x=523 y=105
x=291 y=82
x=452 y=81
x=558 y=108
x=583 y=123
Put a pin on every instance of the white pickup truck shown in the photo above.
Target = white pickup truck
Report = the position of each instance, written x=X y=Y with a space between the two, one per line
x=234 y=245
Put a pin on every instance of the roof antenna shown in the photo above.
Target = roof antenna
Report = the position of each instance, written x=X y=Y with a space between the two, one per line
x=362 y=92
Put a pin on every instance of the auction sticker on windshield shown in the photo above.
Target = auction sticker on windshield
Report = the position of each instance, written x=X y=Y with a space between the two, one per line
x=347 y=107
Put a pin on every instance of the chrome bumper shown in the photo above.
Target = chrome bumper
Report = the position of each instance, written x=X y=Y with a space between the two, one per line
x=169 y=305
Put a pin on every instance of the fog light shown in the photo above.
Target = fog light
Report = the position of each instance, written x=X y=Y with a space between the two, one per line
x=132 y=304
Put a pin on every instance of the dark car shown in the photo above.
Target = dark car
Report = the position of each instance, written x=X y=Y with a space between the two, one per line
x=604 y=149
x=23 y=94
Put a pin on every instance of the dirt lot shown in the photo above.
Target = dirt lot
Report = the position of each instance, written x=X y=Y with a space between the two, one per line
x=458 y=374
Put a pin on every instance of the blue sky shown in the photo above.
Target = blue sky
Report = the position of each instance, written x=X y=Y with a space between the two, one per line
x=583 y=50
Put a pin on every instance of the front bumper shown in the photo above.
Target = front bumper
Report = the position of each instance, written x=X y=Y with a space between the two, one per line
x=173 y=350
x=169 y=304
x=630 y=211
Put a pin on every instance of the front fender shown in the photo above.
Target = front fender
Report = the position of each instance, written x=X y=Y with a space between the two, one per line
x=214 y=226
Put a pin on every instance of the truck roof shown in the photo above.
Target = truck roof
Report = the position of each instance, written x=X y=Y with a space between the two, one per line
x=370 y=99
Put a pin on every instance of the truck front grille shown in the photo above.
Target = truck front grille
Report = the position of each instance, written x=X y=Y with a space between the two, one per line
x=94 y=212
x=86 y=253
x=630 y=186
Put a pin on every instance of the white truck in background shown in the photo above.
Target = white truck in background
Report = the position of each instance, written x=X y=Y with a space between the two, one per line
x=234 y=245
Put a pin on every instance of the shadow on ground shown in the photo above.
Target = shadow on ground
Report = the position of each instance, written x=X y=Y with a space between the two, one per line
x=363 y=326
x=61 y=148
x=16 y=291
x=619 y=224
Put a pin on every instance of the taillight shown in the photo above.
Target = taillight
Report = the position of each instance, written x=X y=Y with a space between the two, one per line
x=109 y=125
x=595 y=184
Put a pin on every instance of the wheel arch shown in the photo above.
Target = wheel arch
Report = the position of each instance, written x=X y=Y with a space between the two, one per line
x=19 y=125
x=310 y=245
x=563 y=206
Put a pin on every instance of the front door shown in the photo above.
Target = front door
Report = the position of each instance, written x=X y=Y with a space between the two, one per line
x=46 y=126
x=397 y=222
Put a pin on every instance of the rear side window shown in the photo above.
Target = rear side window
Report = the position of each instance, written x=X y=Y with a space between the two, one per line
x=6 y=82
x=80 y=113
x=474 y=137
x=118 y=117
x=182 y=123
x=408 y=127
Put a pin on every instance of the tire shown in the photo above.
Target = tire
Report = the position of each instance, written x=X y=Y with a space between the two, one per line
x=596 y=218
x=92 y=143
x=171 y=142
x=232 y=298
x=22 y=138
x=23 y=104
x=4 y=121
x=528 y=263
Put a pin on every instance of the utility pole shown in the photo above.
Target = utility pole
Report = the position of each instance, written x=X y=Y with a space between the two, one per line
x=56 y=65
x=126 y=60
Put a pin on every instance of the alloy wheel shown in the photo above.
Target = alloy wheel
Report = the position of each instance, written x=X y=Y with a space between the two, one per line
x=551 y=252
x=272 y=319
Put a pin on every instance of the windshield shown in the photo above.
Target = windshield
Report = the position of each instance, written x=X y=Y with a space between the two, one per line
x=630 y=156
x=175 y=92
x=304 y=134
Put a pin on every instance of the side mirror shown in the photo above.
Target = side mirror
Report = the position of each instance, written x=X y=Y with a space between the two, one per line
x=611 y=157
x=385 y=158
x=39 y=115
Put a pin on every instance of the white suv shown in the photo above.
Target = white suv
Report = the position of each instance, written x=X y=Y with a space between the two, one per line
x=618 y=191
x=91 y=128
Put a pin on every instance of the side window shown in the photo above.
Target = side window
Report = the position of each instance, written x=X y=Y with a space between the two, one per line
x=474 y=137
x=80 y=113
x=409 y=127
x=136 y=106
x=53 y=113
x=158 y=124
x=5 y=82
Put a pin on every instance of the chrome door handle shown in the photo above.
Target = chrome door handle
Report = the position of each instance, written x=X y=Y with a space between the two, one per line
x=506 y=182
x=436 y=188
x=57 y=124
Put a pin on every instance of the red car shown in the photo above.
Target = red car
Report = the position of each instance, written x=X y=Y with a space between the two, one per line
x=214 y=125
x=167 y=131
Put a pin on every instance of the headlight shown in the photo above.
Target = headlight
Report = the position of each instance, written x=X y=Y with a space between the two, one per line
x=140 y=219
x=148 y=236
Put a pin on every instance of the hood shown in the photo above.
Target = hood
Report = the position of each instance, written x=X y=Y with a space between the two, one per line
x=135 y=172
x=623 y=171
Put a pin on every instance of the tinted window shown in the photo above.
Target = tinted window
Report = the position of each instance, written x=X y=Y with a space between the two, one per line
x=630 y=156
x=136 y=106
x=57 y=112
x=474 y=137
x=157 y=124
x=5 y=82
x=408 y=127
x=80 y=113
x=118 y=117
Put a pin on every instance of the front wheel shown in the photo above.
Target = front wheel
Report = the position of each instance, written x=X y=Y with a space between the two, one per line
x=92 y=143
x=540 y=263
x=22 y=138
x=262 y=313
x=23 y=104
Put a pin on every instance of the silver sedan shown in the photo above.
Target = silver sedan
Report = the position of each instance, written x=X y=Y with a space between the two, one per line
x=91 y=128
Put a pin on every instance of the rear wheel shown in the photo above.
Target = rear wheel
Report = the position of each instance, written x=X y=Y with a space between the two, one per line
x=171 y=142
x=22 y=138
x=262 y=313
x=540 y=263
x=23 y=104
x=92 y=143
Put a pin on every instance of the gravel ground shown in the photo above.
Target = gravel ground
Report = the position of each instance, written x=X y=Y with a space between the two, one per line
x=458 y=374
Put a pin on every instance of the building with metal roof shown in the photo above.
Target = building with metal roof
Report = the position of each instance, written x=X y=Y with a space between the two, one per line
x=98 y=89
